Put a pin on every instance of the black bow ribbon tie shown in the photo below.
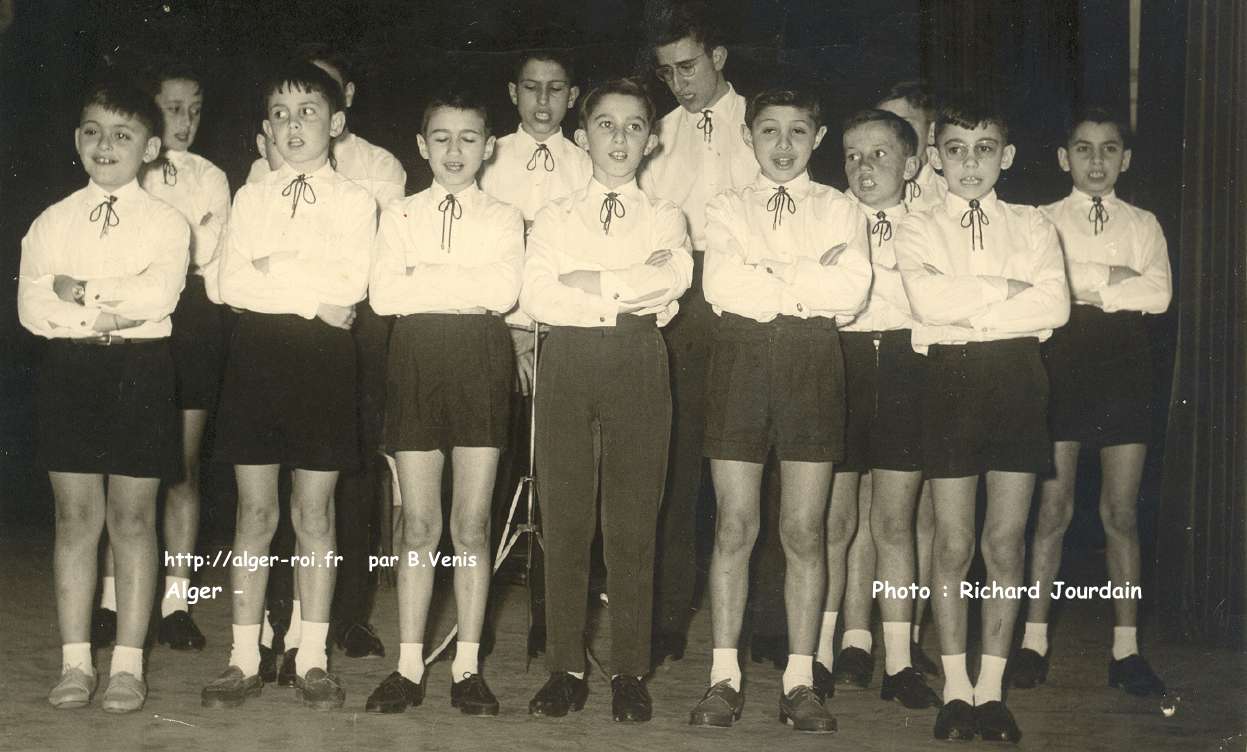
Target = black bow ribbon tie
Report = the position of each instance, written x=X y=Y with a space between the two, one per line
x=106 y=214
x=975 y=219
x=912 y=190
x=546 y=155
x=299 y=189
x=612 y=207
x=1098 y=216
x=780 y=201
x=170 y=173
x=451 y=210
x=706 y=124
x=882 y=227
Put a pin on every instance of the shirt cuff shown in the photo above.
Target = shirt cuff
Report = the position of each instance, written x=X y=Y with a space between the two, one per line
x=997 y=289
x=791 y=305
x=76 y=318
x=614 y=286
x=95 y=293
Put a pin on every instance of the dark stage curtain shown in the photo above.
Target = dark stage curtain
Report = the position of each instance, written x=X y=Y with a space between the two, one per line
x=1202 y=529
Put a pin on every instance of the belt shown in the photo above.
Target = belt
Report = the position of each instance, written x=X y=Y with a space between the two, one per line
x=108 y=339
x=477 y=311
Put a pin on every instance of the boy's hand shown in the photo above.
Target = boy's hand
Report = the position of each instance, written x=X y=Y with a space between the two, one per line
x=658 y=258
x=1017 y=286
x=261 y=265
x=832 y=254
x=771 y=266
x=206 y=219
x=63 y=285
x=1119 y=274
x=339 y=317
x=524 y=371
x=932 y=269
x=590 y=282
x=112 y=322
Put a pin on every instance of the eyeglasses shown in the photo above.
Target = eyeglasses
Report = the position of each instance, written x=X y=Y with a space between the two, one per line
x=685 y=69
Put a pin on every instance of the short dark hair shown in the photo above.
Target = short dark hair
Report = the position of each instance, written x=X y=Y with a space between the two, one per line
x=915 y=92
x=1103 y=116
x=626 y=87
x=676 y=20
x=798 y=98
x=971 y=113
x=561 y=58
x=124 y=97
x=458 y=99
x=323 y=52
x=170 y=70
x=900 y=127
x=303 y=76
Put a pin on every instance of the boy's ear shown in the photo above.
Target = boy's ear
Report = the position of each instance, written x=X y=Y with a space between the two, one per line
x=1006 y=158
x=489 y=148
x=572 y=94
x=348 y=94
x=267 y=127
x=515 y=94
x=718 y=56
x=933 y=158
x=422 y=145
x=746 y=134
x=337 y=123
x=1062 y=158
x=651 y=144
x=1125 y=160
x=152 y=149
x=818 y=137
x=261 y=144
x=912 y=166
x=78 y=140
x=581 y=138
x=931 y=134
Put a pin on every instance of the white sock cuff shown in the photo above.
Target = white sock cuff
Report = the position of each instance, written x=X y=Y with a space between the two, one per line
x=126 y=660
x=108 y=593
x=77 y=655
x=857 y=638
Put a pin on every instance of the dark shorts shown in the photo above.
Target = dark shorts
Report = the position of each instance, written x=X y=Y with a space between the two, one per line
x=776 y=385
x=1100 y=371
x=884 y=381
x=449 y=382
x=108 y=410
x=289 y=395
x=985 y=407
x=198 y=344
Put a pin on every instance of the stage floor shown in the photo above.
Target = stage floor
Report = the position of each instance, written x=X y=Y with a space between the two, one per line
x=1073 y=711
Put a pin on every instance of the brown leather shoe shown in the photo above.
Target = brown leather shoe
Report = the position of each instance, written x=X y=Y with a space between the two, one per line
x=231 y=689
x=802 y=708
x=720 y=706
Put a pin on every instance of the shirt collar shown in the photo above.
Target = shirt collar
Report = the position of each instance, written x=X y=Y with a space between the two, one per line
x=956 y=205
x=629 y=190
x=95 y=193
x=799 y=187
x=177 y=157
x=897 y=210
x=464 y=196
x=286 y=173
x=725 y=108
x=1085 y=198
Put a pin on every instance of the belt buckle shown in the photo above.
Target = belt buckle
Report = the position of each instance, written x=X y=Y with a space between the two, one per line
x=106 y=339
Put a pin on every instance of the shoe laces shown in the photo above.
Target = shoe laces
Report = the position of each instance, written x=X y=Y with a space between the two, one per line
x=630 y=688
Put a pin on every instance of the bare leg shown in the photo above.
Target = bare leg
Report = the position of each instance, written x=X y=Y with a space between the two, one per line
x=954 y=548
x=1119 y=499
x=804 y=487
x=312 y=514
x=925 y=536
x=841 y=525
x=1004 y=553
x=858 y=601
x=79 y=521
x=420 y=484
x=181 y=520
x=131 y=517
x=892 y=526
x=738 y=488
x=475 y=470
x=1056 y=509
x=255 y=525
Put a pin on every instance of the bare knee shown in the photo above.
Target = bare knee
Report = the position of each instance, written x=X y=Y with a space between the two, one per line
x=421 y=532
x=1055 y=513
x=312 y=523
x=131 y=523
x=77 y=520
x=954 y=551
x=1120 y=520
x=893 y=531
x=802 y=539
x=841 y=527
x=257 y=519
x=1004 y=549
x=734 y=533
x=471 y=533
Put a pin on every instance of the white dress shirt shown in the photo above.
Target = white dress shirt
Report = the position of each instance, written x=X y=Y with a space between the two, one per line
x=887 y=307
x=568 y=236
x=744 y=228
x=318 y=241
x=369 y=165
x=517 y=173
x=198 y=189
x=1016 y=242
x=1129 y=237
x=691 y=169
x=133 y=260
x=476 y=264
x=927 y=189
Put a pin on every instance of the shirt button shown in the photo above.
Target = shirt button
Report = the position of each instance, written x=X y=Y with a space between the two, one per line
x=602 y=319
x=616 y=296
x=800 y=307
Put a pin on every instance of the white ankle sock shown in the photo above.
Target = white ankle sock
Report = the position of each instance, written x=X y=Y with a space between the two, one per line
x=108 y=593
x=76 y=655
x=725 y=665
x=466 y=661
x=1036 y=637
x=312 y=647
x=1125 y=642
x=266 y=631
x=800 y=672
x=826 y=653
x=991 y=671
x=577 y=674
x=857 y=638
x=917 y=638
x=294 y=634
x=411 y=661
x=895 y=646
x=956 y=681
x=245 y=653
x=174 y=598
x=126 y=661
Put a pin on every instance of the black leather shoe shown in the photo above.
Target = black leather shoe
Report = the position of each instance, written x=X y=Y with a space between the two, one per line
x=664 y=645
x=922 y=663
x=178 y=631
x=853 y=668
x=395 y=694
x=287 y=675
x=995 y=723
x=321 y=690
x=268 y=665
x=536 y=641
x=103 y=627
x=764 y=648
x=1134 y=675
x=359 y=640
x=720 y=706
x=956 y=721
x=824 y=683
x=472 y=696
x=231 y=689
x=805 y=711
x=909 y=688
x=1027 y=669
x=562 y=692
x=630 y=700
